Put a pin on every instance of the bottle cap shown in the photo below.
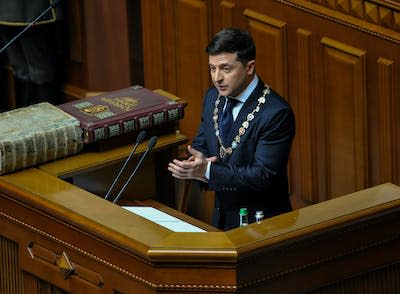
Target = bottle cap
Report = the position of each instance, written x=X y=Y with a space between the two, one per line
x=243 y=211
x=259 y=214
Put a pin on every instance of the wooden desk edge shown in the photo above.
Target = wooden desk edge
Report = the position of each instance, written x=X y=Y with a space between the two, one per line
x=162 y=243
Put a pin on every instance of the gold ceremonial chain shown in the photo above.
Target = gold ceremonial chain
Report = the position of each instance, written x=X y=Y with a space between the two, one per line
x=223 y=151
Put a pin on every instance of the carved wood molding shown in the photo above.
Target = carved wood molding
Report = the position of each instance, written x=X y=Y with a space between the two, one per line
x=382 y=13
x=305 y=121
x=367 y=17
x=147 y=282
x=387 y=114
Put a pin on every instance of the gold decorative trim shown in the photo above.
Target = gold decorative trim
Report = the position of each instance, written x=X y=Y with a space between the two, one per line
x=115 y=267
x=51 y=19
x=224 y=151
x=19 y=24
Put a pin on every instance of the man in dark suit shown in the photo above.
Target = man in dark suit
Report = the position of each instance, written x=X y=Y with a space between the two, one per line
x=242 y=158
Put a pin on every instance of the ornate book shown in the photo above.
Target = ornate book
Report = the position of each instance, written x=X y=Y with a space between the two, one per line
x=37 y=134
x=122 y=111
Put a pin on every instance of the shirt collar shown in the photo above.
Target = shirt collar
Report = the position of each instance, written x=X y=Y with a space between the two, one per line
x=242 y=97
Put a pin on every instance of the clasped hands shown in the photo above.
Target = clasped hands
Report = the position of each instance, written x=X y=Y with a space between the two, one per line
x=192 y=168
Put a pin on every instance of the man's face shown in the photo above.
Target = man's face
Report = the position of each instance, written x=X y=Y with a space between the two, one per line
x=229 y=75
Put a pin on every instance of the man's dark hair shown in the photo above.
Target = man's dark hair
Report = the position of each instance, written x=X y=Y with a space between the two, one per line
x=232 y=40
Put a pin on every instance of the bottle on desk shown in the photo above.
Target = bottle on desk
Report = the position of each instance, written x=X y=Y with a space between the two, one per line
x=243 y=217
x=259 y=216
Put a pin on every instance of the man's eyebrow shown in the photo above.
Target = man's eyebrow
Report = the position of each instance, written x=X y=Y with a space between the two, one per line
x=220 y=65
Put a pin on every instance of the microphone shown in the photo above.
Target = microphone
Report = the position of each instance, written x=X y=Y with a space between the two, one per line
x=139 y=140
x=150 y=145
x=32 y=23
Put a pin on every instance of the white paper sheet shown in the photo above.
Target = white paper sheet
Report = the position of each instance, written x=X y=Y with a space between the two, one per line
x=163 y=219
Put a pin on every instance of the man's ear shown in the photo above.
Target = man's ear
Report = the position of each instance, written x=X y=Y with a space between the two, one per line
x=251 y=66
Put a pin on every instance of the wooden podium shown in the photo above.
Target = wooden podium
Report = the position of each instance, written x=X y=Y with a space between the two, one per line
x=56 y=237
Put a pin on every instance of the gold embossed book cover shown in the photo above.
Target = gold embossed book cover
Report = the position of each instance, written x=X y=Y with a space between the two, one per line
x=122 y=111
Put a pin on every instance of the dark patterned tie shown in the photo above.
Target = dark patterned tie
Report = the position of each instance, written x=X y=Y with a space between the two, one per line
x=226 y=121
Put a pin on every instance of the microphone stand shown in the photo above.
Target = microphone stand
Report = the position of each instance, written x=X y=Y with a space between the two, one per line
x=139 y=140
x=150 y=145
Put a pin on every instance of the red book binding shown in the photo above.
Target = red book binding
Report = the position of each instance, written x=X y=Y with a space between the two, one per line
x=122 y=111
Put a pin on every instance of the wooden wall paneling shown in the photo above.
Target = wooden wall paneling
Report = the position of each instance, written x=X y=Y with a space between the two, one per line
x=345 y=117
x=222 y=15
x=270 y=36
x=396 y=125
x=168 y=45
x=338 y=146
x=305 y=122
x=387 y=108
x=99 y=58
x=192 y=76
x=107 y=45
x=77 y=74
x=135 y=41
x=153 y=44
x=175 y=34
x=227 y=13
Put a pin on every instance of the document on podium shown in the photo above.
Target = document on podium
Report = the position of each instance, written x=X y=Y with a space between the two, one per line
x=163 y=219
